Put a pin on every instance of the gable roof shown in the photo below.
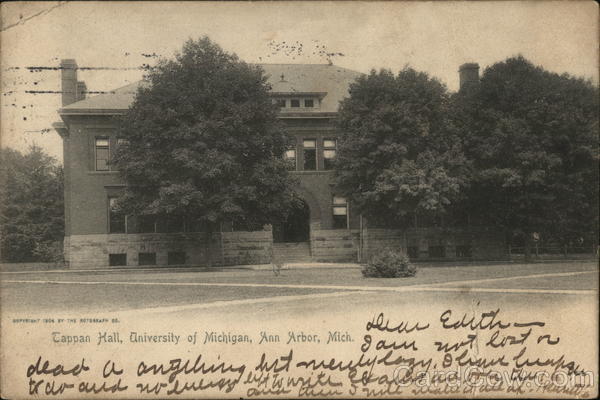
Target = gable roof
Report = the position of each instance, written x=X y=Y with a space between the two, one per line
x=297 y=78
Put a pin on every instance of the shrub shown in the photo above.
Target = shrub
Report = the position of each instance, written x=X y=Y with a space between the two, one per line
x=389 y=264
x=49 y=252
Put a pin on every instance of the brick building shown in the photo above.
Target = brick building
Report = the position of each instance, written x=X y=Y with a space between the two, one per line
x=325 y=229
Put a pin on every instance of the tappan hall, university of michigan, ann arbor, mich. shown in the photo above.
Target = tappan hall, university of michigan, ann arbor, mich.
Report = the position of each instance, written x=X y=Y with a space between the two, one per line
x=325 y=229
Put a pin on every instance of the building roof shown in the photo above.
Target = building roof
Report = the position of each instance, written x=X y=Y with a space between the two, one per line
x=318 y=79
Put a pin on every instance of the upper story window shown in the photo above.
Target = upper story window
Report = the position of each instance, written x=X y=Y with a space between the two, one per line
x=297 y=103
x=290 y=158
x=310 y=154
x=102 y=150
x=117 y=221
x=146 y=224
x=340 y=213
x=173 y=224
x=329 y=152
x=279 y=102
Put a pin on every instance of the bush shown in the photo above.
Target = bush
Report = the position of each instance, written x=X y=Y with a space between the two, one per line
x=49 y=252
x=389 y=264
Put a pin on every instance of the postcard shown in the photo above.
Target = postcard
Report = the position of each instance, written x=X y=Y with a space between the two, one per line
x=298 y=199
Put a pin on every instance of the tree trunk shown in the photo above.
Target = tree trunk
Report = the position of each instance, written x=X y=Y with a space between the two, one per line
x=528 y=243
x=208 y=245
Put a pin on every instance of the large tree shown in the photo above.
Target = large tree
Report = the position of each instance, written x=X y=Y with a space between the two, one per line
x=202 y=142
x=532 y=136
x=31 y=206
x=398 y=156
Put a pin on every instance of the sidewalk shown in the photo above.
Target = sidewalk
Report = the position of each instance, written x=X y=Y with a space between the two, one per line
x=55 y=268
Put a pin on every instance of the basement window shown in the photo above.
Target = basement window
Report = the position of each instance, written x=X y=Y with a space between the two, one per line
x=147 y=259
x=437 y=251
x=464 y=251
x=176 y=258
x=117 y=259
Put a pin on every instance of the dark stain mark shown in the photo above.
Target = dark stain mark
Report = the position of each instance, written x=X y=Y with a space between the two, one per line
x=40 y=68
x=297 y=49
x=22 y=20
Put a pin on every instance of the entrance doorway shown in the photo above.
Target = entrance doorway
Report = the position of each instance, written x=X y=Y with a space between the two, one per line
x=296 y=228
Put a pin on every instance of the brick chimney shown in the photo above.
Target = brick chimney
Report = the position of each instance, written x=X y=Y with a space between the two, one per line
x=81 y=90
x=469 y=76
x=68 y=76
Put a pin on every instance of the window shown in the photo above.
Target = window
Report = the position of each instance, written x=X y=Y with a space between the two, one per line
x=102 y=154
x=464 y=251
x=117 y=222
x=329 y=152
x=176 y=258
x=146 y=258
x=281 y=103
x=290 y=158
x=437 y=251
x=309 y=103
x=117 y=260
x=242 y=225
x=413 y=252
x=310 y=154
x=295 y=103
x=146 y=224
x=122 y=141
x=173 y=224
x=195 y=225
x=340 y=213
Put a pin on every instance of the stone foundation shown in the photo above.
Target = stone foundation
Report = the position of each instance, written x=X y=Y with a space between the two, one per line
x=245 y=248
x=441 y=244
x=334 y=245
x=226 y=248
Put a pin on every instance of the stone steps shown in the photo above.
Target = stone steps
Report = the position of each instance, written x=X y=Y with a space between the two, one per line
x=292 y=252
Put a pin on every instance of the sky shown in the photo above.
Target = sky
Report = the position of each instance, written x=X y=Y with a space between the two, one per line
x=436 y=37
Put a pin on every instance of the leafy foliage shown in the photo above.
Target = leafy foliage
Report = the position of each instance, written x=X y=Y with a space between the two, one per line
x=203 y=142
x=389 y=264
x=31 y=206
x=532 y=136
x=398 y=152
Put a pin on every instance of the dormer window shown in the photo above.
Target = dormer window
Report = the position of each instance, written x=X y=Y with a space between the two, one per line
x=297 y=102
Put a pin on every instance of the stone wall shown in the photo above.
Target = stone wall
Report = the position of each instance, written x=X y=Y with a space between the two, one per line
x=226 y=248
x=437 y=243
x=239 y=248
x=326 y=245
x=93 y=251
x=334 y=245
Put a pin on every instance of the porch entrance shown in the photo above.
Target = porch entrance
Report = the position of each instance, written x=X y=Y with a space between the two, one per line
x=291 y=238
x=296 y=228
